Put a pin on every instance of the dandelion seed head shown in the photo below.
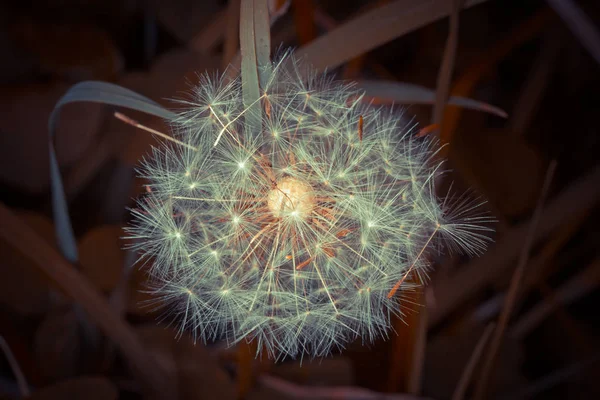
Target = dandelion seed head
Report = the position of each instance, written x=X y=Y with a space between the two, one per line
x=294 y=232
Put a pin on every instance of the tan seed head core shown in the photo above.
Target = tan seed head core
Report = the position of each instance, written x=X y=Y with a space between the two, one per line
x=291 y=196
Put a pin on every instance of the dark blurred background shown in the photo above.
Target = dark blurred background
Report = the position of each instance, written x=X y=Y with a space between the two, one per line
x=538 y=60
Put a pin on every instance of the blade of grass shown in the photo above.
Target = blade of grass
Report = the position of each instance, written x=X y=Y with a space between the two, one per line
x=232 y=24
x=533 y=389
x=415 y=376
x=355 y=65
x=327 y=23
x=539 y=268
x=575 y=288
x=245 y=374
x=465 y=377
x=452 y=291
x=71 y=281
x=250 y=67
x=482 y=387
x=535 y=85
x=447 y=67
x=400 y=92
x=372 y=29
x=211 y=35
x=467 y=82
x=289 y=390
x=408 y=345
x=16 y=368
x=262 y=35
x=255 y=46
x=304 y=11
x=408 y=93
x=580 y=25
x=90 y=91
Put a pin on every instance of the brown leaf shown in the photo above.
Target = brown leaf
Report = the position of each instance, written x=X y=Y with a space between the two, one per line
x=334 y=371
x=448 y=353
x=48 y=260
x=505 y=168
x=199 y=372
x=89 y=388
x=24 y=112
x=578 y=197
x=57 y=345
x=139 y=296
x=23 y=288
x=371 y=30
x=190 y=364
x=101 y=256
x=71 y=51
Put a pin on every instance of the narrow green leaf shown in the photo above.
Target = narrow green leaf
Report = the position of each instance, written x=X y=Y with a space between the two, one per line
x=447 y=68
x=580 y=24
x=262 y=37
x=250 y=82
x=96 y=92
x=408 y=93
x=373 y=29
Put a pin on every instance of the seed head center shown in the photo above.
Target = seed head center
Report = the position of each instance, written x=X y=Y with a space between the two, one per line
x=292 y=197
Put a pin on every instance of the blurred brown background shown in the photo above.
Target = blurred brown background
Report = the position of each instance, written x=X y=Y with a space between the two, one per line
x=538 y=60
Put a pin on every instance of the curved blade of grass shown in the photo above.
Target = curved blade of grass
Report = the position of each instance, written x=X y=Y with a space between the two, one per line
x=24 y=239
x=482 y=386
x=372 y=29
x=465 y=378
x=262 y=36
x=580 y=24
x=408 y=93
x=255 y=46
x=580 y=196
x=447 y=67
x=522 y=33
x=96 y=92
x=13 y=363
x=250 y=82
x=230 y=23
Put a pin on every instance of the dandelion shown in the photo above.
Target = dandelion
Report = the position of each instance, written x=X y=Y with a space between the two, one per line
x=298 y=232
